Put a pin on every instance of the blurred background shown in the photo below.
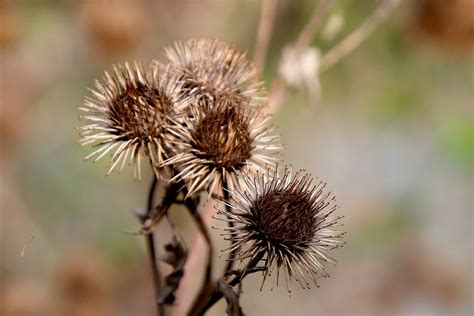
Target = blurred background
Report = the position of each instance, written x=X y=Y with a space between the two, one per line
x=392 y=134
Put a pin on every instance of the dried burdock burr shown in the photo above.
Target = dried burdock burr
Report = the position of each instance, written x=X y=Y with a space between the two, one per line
x=218 y=142
x=285 y=220
x=212 y=68
x=126 y=115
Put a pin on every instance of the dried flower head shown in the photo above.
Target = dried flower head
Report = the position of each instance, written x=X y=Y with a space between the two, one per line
x=126 y=115
x=217 y=142
x=214 y=68
x=286 y=221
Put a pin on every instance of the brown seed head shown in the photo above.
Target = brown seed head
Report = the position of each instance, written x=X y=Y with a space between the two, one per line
x=138 y=112
x=215 y=68
x=219 y=141
x=222 y=136
x=287 y=221
x=127 y=114
x=284 y=218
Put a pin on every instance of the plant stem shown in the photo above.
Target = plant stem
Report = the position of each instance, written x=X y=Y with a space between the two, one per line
x=195 y=252
x=150 y=242
x=307 y=34
x=225 y=193
x=265 y=29
x=215 y=295
x=210 y=251
x=358 y=36
x=207 y=285
x=279 y=92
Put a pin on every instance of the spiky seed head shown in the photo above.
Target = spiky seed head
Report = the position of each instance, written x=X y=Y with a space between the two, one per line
x=214 y=68
x=287 y=221
x=217 y=142
x=126 y=113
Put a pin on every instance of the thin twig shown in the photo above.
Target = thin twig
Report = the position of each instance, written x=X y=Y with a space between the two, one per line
x=226 y=196
x=195 y=254
x=26 y=244
x=207 y=237
x=153 y=215
x=150 y=241
x=216 y=295
x=358 y=36
x=306 y=36
x=279 y=92
x=239 y=272
x=265 y=30
x=232 y=298
x=278 y=95
x=207 y=284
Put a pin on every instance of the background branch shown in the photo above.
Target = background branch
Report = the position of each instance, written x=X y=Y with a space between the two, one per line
x=358 y=36
x=279 y=92
x=232 y=298
x=307 y=34
x=264 y=34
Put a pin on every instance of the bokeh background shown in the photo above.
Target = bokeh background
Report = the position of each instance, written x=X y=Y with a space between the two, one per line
x=392 y=134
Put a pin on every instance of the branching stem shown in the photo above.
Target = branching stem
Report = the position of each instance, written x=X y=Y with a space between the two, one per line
x=307 y=34
x=215 y=295
x=359 y=35
x=264 y=34
x=150 y=242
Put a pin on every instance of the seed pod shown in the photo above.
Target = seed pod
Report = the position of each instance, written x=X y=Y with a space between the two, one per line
x=218 y=142
x=214 y=68
x=126 y=115
x=287 y=221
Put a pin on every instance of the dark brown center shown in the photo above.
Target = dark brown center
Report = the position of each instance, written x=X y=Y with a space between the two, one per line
x=284 y=218
x=223 y=137
x=138 y=112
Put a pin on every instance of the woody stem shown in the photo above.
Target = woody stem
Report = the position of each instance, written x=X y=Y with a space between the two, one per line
x=152 y=252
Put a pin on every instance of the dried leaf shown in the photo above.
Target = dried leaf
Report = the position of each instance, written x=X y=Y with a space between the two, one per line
x=176 y=255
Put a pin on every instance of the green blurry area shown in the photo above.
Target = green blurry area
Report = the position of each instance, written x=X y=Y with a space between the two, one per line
x=393 y=136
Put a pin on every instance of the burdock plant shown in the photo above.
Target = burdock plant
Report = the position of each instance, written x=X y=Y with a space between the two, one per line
x=200 y=121
x=214 y=68
x=282 y=226
x=215 y=142
x=286 y=222
x=127 y=112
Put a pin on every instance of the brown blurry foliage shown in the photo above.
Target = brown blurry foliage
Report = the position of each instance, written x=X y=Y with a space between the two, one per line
x=449 y=24
x=23 y=299
x=114 y=28
x=82 y=286
x=419 y=270
x=8 y=25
